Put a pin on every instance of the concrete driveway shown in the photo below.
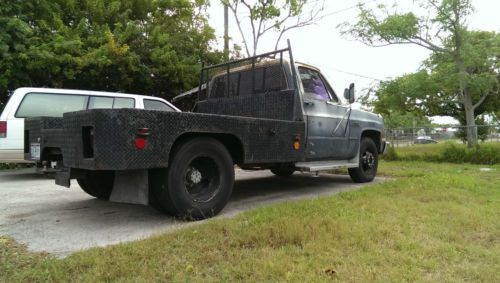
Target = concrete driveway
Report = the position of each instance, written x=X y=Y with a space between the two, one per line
x=54 y=219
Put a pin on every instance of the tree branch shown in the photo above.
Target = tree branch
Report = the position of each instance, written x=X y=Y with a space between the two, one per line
x=252 y=24
x=481 y=100
x=429 y=45
x=234 y=9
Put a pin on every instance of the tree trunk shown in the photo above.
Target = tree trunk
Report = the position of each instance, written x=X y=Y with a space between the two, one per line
x=470 y=120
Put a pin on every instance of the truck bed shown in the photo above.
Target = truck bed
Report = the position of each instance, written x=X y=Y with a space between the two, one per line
x=116 y=130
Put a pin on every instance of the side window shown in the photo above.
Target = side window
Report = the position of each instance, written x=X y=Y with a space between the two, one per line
x=150 y=104
x=121 y=102
x=315 y=87
x=100 y=102
x=50 y=104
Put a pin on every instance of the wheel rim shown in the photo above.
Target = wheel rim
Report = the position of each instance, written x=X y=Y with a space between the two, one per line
x=202 y=179
x=368 y=161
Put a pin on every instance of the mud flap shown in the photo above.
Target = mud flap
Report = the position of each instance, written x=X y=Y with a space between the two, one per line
x=63 y=178
x=131 y=186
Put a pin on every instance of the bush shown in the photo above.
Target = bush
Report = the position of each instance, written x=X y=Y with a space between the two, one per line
x=447 y=152
x=391 y=154
x=454 y=154
x=7 y=166
x=484 y=154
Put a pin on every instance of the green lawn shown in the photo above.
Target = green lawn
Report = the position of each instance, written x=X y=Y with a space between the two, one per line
x=431 y=222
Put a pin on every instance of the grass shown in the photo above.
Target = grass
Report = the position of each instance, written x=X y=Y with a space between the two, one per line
x=431 y=222
x=9 y=166
x=485 y=153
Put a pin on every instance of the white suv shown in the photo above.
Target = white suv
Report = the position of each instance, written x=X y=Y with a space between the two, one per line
x=48 y=102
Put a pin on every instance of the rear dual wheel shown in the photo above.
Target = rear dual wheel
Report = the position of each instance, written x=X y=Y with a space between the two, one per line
x=198 y=182
x=98 y=184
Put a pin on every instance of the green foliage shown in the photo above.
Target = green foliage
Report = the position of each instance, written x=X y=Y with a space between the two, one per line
x=486 y=153
x=393 y=28
x=140 y=46
x=391 y=154
x=454 y=153
x=9 y=166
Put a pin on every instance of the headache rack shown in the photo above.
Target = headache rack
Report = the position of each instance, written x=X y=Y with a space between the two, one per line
x=261 y=73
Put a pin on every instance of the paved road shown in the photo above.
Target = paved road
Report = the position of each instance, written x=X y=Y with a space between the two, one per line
x=50 y=218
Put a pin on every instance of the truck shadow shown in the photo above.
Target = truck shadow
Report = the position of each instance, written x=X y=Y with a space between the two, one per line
x=297 y=183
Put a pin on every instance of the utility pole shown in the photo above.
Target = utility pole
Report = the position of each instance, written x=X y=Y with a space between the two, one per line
x=226 y=32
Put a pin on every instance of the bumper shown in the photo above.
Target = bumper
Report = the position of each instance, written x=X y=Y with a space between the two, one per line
x=12 y=156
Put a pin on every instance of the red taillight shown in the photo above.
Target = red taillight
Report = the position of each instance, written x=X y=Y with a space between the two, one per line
x=141 y=138
x=140 y=143
x=3 y=129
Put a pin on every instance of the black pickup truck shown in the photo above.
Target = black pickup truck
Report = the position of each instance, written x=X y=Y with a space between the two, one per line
x=263 y=112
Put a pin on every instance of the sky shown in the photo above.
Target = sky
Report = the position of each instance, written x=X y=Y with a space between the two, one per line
x=345 y=60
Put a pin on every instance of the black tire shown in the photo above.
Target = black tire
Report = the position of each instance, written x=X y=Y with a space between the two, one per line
x=368 y=162
x=199 y=180
x=158 y=191
x=98 y=184
x=283 y=171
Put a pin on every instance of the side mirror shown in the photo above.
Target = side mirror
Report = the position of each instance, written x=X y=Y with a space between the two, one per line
x=349 y=93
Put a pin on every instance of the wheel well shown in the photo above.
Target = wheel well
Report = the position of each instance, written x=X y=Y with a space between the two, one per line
x=374 y=135
x=233 y=145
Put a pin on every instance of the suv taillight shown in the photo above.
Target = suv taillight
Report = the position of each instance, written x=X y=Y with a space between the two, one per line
x=3 y=129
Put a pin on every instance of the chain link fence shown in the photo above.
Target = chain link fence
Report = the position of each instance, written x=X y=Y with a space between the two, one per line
x=401 y=137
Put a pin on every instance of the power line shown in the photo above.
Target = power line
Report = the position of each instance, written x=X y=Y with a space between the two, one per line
x=356 y=75
x=344 y=9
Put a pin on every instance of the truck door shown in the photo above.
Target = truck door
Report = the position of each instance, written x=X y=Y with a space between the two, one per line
x=327 y=119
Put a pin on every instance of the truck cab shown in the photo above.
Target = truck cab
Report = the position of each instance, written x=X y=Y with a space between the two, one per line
x=333 y=130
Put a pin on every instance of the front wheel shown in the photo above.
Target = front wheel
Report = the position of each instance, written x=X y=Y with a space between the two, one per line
x=368 y=162
x=199 y=180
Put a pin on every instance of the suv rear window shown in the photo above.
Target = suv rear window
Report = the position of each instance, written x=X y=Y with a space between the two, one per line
x=121 y=102
x=105 y=102
x=50 y=105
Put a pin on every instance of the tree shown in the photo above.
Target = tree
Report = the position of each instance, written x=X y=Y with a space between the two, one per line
x=444 y=33
x=271 y=15
x=405 y=121
x=139 y=46
x=435 y=89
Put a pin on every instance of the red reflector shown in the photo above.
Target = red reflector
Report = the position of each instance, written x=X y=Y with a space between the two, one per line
x=3 y=129
x=140 y=143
